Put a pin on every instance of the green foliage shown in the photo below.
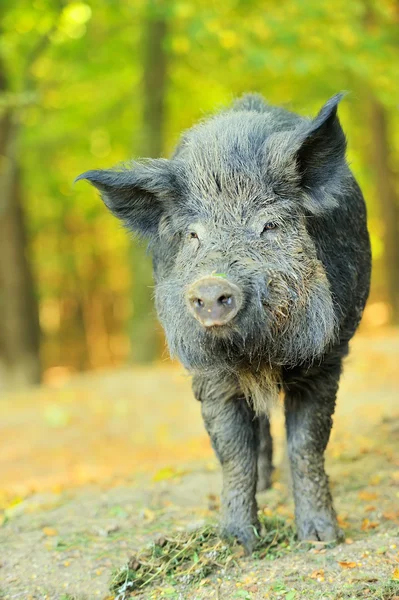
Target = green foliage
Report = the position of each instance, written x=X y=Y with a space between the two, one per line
x=74 y=71
x=187 y=558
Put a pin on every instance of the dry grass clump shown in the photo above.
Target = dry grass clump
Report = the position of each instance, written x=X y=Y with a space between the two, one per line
x=189 y=557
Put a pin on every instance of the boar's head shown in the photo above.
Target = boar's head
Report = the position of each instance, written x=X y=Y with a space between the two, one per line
x=238 y=283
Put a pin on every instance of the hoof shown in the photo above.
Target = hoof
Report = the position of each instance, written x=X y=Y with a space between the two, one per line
x=320 y=529
x=246 y=535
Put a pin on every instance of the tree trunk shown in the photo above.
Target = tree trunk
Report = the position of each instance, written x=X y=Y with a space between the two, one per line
x=19 y=323
x=145 y=336
x=154 y=87
x=388 y=202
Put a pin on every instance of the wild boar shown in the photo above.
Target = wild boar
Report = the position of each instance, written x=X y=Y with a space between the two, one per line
x=261 y=259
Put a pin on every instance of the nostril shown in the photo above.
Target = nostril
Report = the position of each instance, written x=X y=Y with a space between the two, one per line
x=225 y=300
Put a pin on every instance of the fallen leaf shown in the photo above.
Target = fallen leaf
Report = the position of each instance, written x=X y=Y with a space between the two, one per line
x=318 y=575
x=395 y=574
x=347 y=565
x=168 y=473
x=367 y=496
x=367 y=525
x=50 y=531
x=391 y=515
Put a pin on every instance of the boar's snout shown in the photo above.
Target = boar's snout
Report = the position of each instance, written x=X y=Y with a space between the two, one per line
x=214 y=301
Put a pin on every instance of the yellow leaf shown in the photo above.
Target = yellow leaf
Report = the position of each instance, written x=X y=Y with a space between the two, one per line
x=395 y=574
x=6 y=503
x=319 y=575
x=367 y=496
x=347 y=565
x=167 y=473
x=50 y=531
x=366 y=525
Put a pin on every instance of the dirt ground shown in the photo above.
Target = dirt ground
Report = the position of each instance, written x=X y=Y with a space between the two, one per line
x=94 y=468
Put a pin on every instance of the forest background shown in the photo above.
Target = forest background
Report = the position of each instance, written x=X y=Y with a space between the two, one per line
x=89 y=84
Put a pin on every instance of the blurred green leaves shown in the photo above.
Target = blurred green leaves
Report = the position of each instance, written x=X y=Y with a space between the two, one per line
x=74 y=71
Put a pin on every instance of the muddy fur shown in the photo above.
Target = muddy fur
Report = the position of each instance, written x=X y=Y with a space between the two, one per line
x=264 y=198
x=261 y=390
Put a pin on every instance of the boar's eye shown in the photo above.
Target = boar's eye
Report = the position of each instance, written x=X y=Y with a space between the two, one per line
x=269 y=226
x=193 y=236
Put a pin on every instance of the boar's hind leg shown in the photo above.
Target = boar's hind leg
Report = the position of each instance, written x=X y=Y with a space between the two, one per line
x=234 y=436
x=265 y=457
x=309 y=406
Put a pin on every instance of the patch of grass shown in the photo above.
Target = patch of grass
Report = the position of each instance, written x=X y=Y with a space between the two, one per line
x=189 y=557
x=277 y=538
x=390 y=591
x=387 y=590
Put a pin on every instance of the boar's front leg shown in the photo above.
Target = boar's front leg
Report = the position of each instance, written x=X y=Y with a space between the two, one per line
x=309 y=406
x=234 y=436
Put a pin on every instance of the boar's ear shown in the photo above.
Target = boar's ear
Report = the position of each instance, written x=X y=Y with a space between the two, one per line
x=321 y=158
x=137 y=193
